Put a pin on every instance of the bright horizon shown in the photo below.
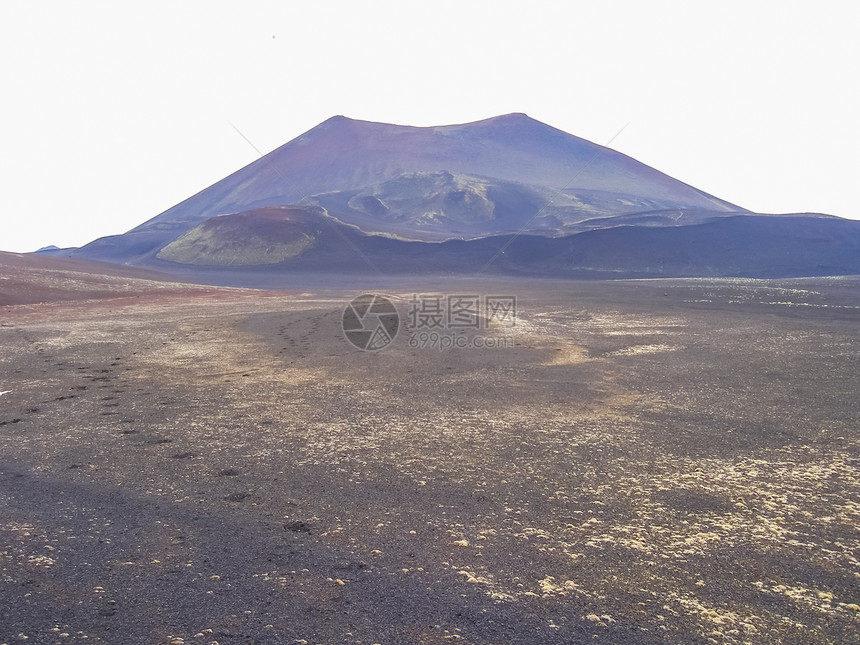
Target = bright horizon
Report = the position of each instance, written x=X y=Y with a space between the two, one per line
x=114 y=114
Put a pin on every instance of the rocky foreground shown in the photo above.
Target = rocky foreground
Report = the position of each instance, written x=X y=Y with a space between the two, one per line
x=644 y=462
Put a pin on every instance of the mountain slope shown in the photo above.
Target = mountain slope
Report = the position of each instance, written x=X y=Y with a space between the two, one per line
x=250 y=245
x=346 y=154
x=503 y=194
x=528 y=167
x=265 y=236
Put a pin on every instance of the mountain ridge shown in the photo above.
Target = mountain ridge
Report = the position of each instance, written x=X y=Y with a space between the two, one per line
x=382 y=186
x=343 y=153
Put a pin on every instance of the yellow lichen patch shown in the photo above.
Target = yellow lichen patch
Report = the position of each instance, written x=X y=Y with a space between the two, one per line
x=567 y=355
x=549 y=586
x=471 y=578
x=638 y=350
x=817 y=599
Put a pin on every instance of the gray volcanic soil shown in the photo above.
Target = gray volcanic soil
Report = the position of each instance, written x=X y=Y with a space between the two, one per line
x=651 y=462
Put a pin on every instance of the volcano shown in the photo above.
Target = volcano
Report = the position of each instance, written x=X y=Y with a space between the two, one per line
x=506 y=194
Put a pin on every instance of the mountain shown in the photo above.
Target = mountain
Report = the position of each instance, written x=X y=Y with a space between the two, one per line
x=356 y=195
x=343 y=154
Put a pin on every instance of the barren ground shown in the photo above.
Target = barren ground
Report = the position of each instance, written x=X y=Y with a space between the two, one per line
x=651 y=462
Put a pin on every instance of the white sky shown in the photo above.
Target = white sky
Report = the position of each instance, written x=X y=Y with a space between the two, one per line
x=113 y=112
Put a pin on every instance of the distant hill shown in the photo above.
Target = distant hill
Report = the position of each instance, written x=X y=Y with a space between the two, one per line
x=505 y=194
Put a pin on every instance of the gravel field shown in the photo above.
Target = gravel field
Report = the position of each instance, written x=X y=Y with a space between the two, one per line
x=670 y=461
